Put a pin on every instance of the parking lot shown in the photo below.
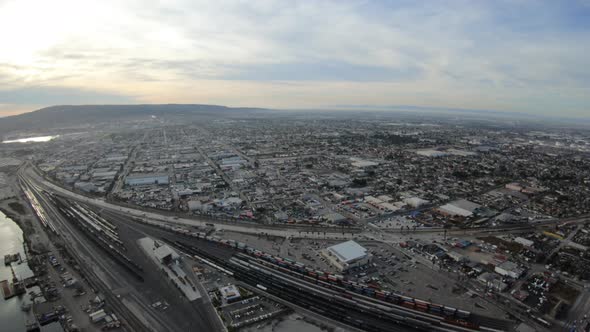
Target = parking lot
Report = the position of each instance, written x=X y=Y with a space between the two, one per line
x=65 y=287
x=391 y=268
x=252 y=310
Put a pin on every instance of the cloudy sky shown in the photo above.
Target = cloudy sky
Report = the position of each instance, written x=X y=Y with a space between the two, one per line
x=518 y=55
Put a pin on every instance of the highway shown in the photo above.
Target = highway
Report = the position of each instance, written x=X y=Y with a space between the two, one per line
x=284 y=230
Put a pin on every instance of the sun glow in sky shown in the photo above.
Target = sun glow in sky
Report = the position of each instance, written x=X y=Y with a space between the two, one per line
x=507 y=55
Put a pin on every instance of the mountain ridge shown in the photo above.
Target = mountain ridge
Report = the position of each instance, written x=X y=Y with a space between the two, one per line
x=68 y=115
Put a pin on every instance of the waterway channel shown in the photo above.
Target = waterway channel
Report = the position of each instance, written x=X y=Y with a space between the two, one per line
x=12 y=318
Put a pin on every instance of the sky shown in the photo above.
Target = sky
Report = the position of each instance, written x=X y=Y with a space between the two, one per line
x=522 y=56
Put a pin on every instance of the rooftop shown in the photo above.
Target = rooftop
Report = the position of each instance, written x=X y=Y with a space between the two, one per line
x=348 y=251
x=229 y=292
x=163 y=251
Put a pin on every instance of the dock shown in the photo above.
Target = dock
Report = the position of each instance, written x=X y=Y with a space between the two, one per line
x=33 y=326
x=12 y=289
x=9 y=289
x=6 y=289
x=10 y=258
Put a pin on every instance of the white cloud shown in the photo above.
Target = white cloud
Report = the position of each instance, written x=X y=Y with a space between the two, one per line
x=172 y=51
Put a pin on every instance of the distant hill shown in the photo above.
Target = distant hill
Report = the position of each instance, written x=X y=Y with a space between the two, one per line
x=72 y=115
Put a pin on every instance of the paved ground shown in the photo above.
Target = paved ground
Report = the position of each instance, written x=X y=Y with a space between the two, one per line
x=156 y=289
x=76 y=305
x=395 y=271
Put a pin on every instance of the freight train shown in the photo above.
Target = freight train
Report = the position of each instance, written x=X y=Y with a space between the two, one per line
x=335 y=281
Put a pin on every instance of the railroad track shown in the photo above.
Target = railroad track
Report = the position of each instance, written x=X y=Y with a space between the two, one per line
x=360 y=312
x=132 y=322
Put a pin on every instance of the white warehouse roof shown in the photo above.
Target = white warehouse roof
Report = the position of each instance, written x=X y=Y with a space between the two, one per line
x=348 y=251
x=460 y=207
x=164 y=251
x=455 y=210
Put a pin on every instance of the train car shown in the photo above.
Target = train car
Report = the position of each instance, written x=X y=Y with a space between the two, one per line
x=300 y=267
x=463 y=314
x=358 y=288
x=543 y=322
x=284 y=270
x=435 y=308
x=408 y=302
x=396 y=298
x=374 y=286
x=421 y=305
x=346 y=284
x=380 y=295
x=449 y=311
x=462 y=323
x=310 y=279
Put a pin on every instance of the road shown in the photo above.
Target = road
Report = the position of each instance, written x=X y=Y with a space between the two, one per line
x=285 y=231
x=564 y=242
x=578 y=315
x=321 y=233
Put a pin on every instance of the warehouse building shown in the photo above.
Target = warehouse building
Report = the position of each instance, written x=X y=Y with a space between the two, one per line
x=347 y=255
x=230 y=293
x=509 y=269
x=146 y=179
x=165 y=255
x=462 y=207
x=525 y=242
x=415 y=202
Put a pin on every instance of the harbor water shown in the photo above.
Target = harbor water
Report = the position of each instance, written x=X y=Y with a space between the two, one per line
x=12 y=317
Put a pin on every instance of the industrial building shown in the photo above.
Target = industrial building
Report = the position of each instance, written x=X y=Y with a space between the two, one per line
x=165 y=254
x=415 y=202
x=509 y=269
x=146 y=179
x=525 y=242
x=462 y=207
x=230 y=293
x=492 y=281
x=347 y=255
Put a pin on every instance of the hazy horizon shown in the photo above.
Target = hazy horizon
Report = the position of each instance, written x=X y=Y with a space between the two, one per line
x=526 y=57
